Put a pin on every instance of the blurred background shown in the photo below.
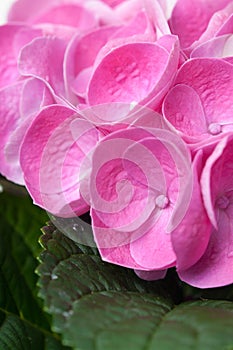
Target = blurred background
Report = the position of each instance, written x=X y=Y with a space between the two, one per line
x=4 y=6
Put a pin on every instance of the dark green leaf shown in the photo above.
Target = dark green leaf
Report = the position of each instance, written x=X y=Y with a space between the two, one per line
x=198 y=325
x=98 y=306
x=23 y=323
x=191 y=293
x=17 y=334
x=77 y=287
x=19 y=230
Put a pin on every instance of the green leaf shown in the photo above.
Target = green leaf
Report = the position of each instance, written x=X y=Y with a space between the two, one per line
x=223 y=293
x=19 y=334
x=23 y=323
x=197 y=325
x=137 y=322
x=114 y=320
x=96 y=305
x=72 y=273
x=19 y=231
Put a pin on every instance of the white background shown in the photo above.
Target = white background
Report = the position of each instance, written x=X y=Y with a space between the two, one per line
x=4 y=6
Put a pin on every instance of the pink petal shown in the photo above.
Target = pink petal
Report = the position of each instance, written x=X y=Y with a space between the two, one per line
x=43 y=59
x=141 y=76
x=211 y=188
x=9 y=97
x=147 y=118
x=69 y=15
x=104 y=13
x=113 y=3
x=116 y=116
x=140 y=24
x=121 y=201
x=190 y=18
x=157 y=16
x=113 y=245
x=79 y=56
x=126 y=10
x=220 y=46
x=62 y=32
x=25 y=10
x=12 y=151
x=182 y=107
x=130 y=208
x=116 y=246
x=190 y=238
x=12 y=39
x=35 y=95
x=227 y=27
x=51 y=162
x=215 y=267
x=167 y=6
x=157 y=252
x=139 y=29
x=151 y=275
x=216 y=23
x=212 y=80
x=80 y=83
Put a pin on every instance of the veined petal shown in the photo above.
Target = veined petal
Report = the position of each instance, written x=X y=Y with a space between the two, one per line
x=143 y=73
x=43 y=59
x=52 y=161
x=190 y=19
x=215 y=267
x=12 y=38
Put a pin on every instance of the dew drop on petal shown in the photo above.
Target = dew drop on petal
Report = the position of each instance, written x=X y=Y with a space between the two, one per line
x=214 y=128
x=162 y=201
x=132 y=105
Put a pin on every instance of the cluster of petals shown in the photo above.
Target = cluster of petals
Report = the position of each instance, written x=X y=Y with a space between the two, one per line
x=124 y=109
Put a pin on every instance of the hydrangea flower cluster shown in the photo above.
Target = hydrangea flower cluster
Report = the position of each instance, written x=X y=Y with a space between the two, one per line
x=124 y=108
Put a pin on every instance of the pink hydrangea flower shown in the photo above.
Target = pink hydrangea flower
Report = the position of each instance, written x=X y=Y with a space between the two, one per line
x=124 y=108
x=216 y=265
x=50 y=49
x=200 y=104
x=27 y=86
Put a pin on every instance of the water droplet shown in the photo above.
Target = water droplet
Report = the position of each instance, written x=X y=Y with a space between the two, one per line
x=132 y=105
x=162 y=201
x=1 y=189
x=54 y=277
x=214 y=128
x=67 y=313
x=75 y=227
